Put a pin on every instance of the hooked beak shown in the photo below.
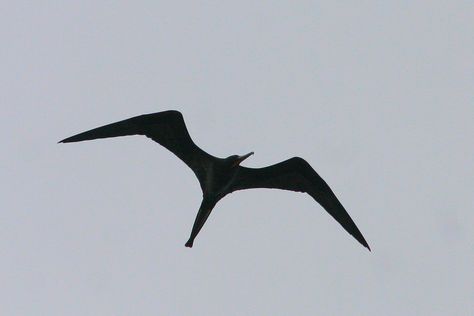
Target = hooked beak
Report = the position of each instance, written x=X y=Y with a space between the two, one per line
x=242 y=158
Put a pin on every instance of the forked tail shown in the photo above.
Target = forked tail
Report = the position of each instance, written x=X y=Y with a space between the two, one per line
x=204 y=211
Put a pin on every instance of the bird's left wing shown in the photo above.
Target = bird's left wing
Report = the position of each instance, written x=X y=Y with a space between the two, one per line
x=296 y=174
x=166 y=128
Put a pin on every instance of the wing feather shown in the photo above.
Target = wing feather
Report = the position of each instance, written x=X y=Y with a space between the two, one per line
x=166 y=128
x=296 y=174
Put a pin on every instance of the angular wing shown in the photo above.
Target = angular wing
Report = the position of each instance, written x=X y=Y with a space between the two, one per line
x=166 y=128
x=296 y=174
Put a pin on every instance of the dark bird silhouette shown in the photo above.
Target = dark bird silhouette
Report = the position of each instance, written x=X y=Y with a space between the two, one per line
x=219 y=177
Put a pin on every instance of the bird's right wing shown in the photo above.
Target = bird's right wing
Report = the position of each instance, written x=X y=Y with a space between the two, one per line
x=166 y=128
x=296 y=174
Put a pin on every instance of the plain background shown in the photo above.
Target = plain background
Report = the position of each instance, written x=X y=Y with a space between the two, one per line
x=377 y=96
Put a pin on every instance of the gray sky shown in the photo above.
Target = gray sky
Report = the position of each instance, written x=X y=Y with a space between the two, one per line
x=377 y=96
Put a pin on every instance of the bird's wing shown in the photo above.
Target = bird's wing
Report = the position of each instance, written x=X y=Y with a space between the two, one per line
x=166 y=128
x=296 y=174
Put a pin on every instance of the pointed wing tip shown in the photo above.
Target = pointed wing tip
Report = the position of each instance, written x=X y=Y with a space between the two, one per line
x=365 y=244
x=360 y=238
x=72 y=139
x=66 y=140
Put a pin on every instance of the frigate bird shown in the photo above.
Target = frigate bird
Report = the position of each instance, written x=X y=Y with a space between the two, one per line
x=221 y=176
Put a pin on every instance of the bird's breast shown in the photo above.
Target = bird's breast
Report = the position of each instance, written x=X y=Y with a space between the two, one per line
x=218 y=181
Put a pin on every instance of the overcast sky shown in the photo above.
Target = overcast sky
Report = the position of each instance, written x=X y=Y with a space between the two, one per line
x=376 y=96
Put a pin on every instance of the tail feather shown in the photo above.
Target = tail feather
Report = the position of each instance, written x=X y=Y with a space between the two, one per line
x=204 y=211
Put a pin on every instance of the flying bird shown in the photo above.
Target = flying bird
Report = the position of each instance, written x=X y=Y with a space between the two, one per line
x=221 y=176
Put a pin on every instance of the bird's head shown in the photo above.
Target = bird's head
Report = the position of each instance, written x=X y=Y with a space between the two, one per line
x=236 y=160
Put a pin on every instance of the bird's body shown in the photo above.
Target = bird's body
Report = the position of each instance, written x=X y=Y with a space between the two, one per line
x=221 y=176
